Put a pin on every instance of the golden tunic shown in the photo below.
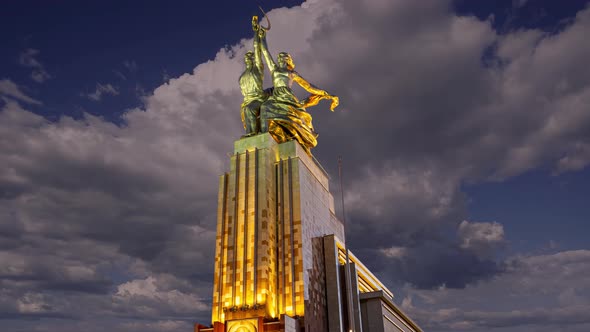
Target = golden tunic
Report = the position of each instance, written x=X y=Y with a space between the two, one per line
x=282 y=114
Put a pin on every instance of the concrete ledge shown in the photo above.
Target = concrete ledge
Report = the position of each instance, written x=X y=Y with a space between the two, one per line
x=260 y=141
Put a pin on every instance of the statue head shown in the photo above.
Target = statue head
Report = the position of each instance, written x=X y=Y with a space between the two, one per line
x=249 y=59
x=285 y=61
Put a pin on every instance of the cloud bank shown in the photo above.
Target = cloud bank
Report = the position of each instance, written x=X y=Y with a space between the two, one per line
x=117 y=222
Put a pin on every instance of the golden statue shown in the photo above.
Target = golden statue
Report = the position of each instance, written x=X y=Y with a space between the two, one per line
x=251 y=85
x=282 y=114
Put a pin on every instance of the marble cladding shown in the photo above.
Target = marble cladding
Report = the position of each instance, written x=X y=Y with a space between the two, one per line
x=245 y=260
x=290 y=324
x=312 y=212
x=316 y=307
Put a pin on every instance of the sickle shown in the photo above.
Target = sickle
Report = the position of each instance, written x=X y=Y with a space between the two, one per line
x=267 y=20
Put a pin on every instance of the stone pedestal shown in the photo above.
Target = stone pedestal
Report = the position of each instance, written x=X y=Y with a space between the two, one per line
x=281 y=263
x=271 y=204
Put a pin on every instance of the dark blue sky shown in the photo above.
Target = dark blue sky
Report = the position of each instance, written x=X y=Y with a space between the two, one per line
x=85 y=42
x=537 y=207
x=120 y=51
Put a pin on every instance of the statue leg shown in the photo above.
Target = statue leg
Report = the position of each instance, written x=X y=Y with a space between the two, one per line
x=263 y=119
x=243 y=115
x=251 y=115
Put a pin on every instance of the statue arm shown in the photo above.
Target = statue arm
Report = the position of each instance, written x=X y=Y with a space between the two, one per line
x=317 y=94
x=308 y=86
x=258 y=54
x=267 y=57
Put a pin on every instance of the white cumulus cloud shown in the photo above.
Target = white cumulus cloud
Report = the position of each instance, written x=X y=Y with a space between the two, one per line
x=481 y=237
x=10 y=89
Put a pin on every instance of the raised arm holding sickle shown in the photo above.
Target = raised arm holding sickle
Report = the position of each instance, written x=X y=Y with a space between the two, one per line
x=282 y=114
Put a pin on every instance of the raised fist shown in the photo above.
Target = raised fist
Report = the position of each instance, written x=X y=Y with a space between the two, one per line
x=255 y=25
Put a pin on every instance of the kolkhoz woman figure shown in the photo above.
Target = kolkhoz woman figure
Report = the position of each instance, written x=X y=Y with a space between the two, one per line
x=282 y=114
